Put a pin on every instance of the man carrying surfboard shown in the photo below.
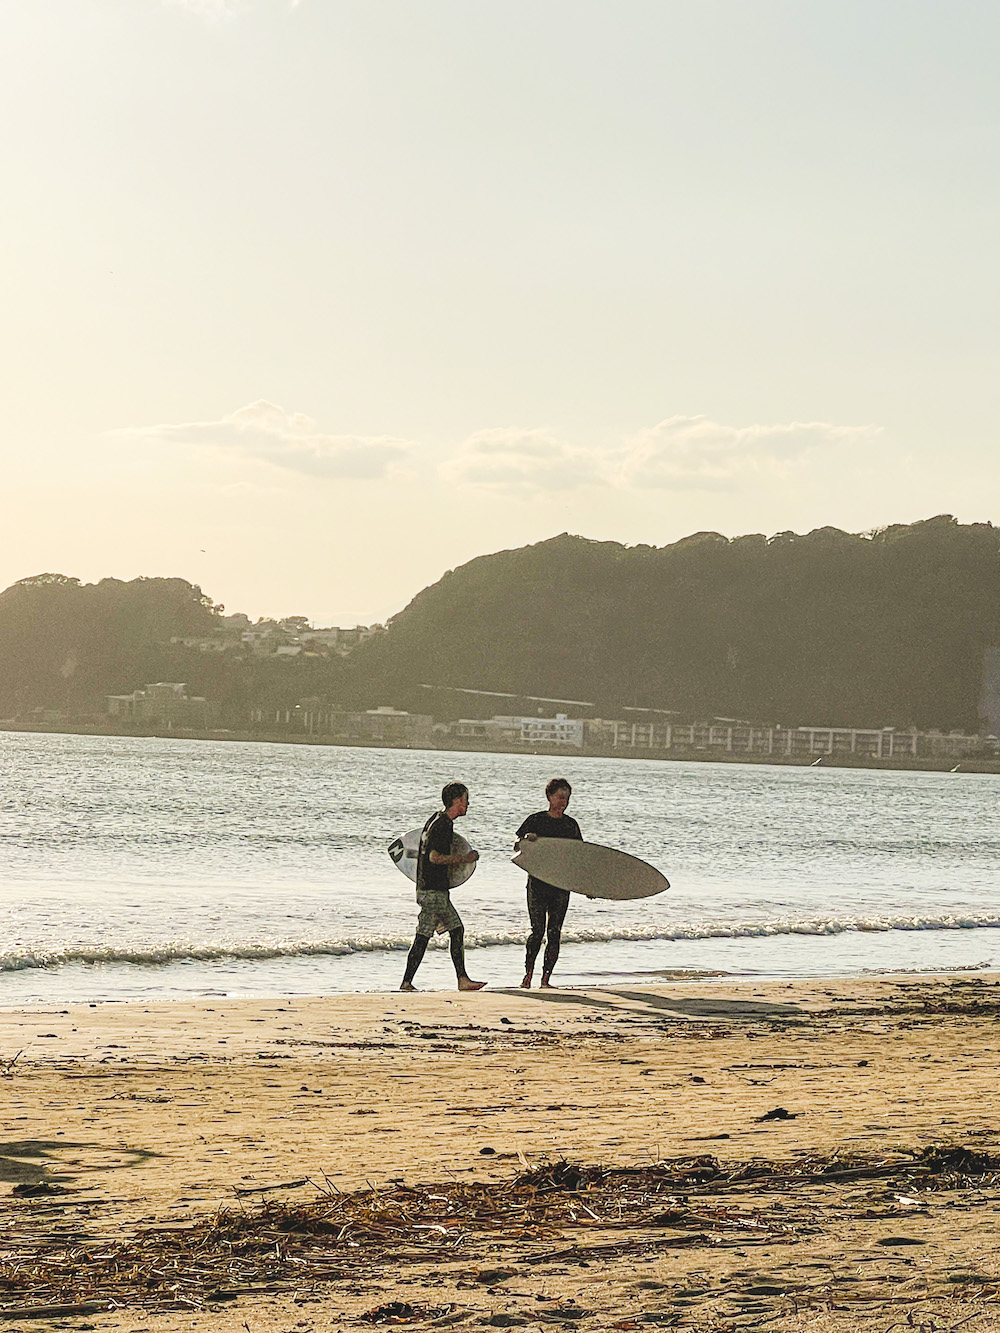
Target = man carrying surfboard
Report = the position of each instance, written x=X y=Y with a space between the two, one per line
x=546 y=904
x=437 y=913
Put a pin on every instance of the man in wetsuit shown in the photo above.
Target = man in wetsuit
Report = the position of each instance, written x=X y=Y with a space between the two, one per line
x=434 y=856
x=546 y=904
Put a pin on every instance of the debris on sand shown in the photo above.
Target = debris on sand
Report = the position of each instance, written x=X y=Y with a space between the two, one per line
x=557 y=1211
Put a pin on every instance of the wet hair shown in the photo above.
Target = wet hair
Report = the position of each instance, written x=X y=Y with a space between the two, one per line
x=557 y=784
x=451 y=792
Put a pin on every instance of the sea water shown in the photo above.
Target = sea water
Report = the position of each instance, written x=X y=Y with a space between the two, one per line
x=143 y=868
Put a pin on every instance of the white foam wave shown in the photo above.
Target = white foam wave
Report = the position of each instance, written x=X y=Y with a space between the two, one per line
x=15 y=959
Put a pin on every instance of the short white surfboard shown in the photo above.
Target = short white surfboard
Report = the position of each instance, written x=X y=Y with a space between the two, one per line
x=404 y=855
x=589 y=868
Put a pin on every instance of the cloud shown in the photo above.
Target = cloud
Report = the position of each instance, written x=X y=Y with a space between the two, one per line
x=680 y=453
x=268 y=434
x=525 y=461
x=694 y=452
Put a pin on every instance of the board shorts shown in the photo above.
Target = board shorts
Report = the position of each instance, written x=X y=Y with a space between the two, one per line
x=437 y=913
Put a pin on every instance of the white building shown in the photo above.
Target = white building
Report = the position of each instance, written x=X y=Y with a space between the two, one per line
x=558 y=730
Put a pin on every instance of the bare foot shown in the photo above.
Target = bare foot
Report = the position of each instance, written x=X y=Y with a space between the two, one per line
x=526 y=983
x=466 y=983
x=545 y=983
x=407 y=986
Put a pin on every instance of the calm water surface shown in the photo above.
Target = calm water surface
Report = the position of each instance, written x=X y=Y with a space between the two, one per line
x=143 y=868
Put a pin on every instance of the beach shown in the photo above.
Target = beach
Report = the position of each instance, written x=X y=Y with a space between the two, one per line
x=708 y=1155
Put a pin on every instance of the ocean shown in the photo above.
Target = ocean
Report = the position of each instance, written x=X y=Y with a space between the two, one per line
x=142 y=868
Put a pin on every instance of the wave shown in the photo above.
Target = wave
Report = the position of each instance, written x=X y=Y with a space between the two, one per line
x=15 y=959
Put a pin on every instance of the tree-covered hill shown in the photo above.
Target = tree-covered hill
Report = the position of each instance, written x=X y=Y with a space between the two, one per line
x=884 y=629
x=64 y=644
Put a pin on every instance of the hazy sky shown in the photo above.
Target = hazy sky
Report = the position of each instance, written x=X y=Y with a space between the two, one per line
x=309 y=302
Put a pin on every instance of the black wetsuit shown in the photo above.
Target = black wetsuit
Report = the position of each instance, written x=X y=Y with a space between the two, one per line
x=546 y=904
x=436 y=910
x=436 y=837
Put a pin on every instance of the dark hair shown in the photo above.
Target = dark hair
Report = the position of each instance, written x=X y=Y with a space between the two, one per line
x=451 y=792
x=557 y=784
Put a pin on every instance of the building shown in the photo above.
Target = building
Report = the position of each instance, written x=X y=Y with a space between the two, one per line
x=493 y=730
x=733 y=737
x=394 y=726
x=956 y=745
x=558 y=730
x=383 y=725
x=164 y=704
x=264 y=639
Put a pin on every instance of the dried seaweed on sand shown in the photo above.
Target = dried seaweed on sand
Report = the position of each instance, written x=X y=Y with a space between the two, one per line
x=550 y=1212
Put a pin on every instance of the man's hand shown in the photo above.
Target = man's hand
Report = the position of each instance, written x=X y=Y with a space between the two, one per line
x=528 y=837
x=453 y=859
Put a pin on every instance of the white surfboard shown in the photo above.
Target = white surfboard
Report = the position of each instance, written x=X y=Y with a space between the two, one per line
x=404 y=855
x=589 y=868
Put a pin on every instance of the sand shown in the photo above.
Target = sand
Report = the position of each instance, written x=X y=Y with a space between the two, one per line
x=147 y=1119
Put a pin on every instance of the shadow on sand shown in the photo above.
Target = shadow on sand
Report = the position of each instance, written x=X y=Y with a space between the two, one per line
x=647 y=1003
x=31 y=1161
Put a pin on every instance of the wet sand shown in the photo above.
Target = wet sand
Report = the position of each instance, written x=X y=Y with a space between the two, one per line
x=124 y=1123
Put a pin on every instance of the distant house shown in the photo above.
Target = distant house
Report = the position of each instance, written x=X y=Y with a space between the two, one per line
x=263 y=638
x=326 y=638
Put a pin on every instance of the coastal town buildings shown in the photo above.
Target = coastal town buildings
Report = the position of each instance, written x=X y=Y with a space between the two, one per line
x=741 y=738
x=340 y=641
x=168 y=704
x=279 y=638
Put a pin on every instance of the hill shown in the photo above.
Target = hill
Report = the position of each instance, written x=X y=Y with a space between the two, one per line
x=830 y=628
x=65 y=645
x=882 y=629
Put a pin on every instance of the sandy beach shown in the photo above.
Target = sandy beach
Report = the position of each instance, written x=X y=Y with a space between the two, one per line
x=815 y=1155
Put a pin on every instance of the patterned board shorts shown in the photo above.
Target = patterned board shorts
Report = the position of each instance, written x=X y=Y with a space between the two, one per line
x=436 y=912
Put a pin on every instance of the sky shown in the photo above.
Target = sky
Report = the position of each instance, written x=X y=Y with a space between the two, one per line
x=309 y=301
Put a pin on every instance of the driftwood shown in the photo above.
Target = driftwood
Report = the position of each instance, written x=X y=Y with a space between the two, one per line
x=7 y=1066
x=52 y=1311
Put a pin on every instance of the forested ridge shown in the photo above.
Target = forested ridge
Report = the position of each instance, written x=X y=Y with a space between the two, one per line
x=66 y=646
x=831 y=628
x=882 y=629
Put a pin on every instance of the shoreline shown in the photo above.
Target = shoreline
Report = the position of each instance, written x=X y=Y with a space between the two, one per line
x=700 y=979
x=906 y=764
x=801 y=1155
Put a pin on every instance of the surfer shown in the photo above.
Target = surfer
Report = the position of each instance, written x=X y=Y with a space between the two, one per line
x=437 y=912
x=546 y=904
